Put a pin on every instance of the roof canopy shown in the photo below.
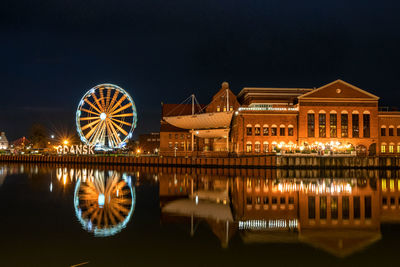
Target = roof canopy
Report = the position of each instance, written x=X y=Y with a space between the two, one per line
x=203 y=209
x=202 y=121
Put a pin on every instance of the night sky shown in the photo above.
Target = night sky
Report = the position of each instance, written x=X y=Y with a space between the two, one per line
x=52 y=52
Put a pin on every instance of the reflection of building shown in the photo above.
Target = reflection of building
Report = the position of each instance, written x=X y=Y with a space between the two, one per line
x=3 y=141
x=337 y=117
x=340 y=215
x=149 y=143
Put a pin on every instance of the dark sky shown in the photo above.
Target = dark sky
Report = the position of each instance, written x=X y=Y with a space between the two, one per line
x=52 y=52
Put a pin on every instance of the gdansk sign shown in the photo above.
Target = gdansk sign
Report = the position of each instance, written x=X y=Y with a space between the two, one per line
x=76 y=149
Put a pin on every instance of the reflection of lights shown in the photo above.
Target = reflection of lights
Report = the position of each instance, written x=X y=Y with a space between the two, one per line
x=105 y=203
x=101 y=199
x=51 y=187
x=197 y=200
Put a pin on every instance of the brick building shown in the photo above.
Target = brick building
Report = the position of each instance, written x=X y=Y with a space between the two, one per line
x=149 y=143
x=335 y=118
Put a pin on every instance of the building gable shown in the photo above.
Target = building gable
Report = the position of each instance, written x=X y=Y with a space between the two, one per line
x=339 y=90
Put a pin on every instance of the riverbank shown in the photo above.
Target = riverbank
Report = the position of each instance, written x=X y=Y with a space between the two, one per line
x=270 y=161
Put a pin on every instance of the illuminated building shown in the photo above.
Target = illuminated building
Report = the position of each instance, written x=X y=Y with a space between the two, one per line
x=3 y=141
x=335 y=118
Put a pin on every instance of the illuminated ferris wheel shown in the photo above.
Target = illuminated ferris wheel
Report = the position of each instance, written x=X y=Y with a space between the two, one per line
x=106 y=117
x=105 y=203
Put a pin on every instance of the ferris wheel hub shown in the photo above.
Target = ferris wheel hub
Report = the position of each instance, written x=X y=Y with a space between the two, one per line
x=103 y=116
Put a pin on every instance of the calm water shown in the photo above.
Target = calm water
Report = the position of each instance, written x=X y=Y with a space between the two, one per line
x=64 y=215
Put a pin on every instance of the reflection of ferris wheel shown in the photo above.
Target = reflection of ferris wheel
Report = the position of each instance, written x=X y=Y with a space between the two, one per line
x=106 y=117
x=105 y=203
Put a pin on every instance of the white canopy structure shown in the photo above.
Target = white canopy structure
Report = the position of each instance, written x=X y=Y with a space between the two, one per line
x=201 y=209
x=201 y=121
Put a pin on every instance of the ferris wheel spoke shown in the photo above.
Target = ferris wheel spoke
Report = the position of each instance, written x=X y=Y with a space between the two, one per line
x=88 y=118
x=117 y=104
x=122 y=108
x=90 y=124
x=93 y=106
x=113 y=100
x=110 y=134
x=119 y=128
x=97 y=102
x=108 y=98
x=95 y=136
x=122 y=122
x=103 y=103
x=90 y=111
x=89 y=134
x=122 y=115
x=115 y=134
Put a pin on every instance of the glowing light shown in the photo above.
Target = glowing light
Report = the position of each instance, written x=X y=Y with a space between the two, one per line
x=101 y=200
x=65 y=142
x=138 y=151
x=103 y=116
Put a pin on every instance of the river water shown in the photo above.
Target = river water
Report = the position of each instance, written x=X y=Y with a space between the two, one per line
x=66 y=215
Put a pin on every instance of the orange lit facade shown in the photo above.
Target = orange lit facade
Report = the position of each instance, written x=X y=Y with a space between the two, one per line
x=336 y=118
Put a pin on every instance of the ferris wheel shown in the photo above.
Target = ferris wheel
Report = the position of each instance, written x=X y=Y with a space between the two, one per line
x=106 y=117
x=105 y=203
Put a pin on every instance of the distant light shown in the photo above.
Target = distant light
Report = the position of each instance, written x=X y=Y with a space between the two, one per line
x=197 y=200
x=52 y=136
x=138 y=151
x=51 y=187
x=65 y=142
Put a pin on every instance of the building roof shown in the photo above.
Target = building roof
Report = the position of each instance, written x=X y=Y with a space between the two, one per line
x=250 y=95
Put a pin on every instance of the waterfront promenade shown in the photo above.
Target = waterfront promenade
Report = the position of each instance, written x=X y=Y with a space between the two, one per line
x=270 y=161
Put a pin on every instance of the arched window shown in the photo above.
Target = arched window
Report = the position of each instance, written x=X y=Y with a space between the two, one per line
x=391 y=130
x=249 y=147
x=273 y=146
x=310 y=124
x=366 y=124
x=249 y=129
x=383 y=147
x=265 y=130
x=383 y=130
x=322 y=123
x=257 y=129
x=391 y=148
x=398 y=147
x=290 y=130
x=257 y=147
x=398 y=130
x=344 y=119
x=274 y=130
x=333 y=124
x=282 y=130
x=265 y=147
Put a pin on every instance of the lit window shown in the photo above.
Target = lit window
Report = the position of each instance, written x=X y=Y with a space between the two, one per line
x=273 y=131
x=170 y=144
x=257 y=130
x=249 y=148
x=383 y=148
x=249 y=130
x=391 y=148
x=290 y=131
x=391 y=184
x=218 y=109
x=248 y=182
x=383 y=185
x=398 y=148
x=265 y=147
x=257 y=147
x=265 y=130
